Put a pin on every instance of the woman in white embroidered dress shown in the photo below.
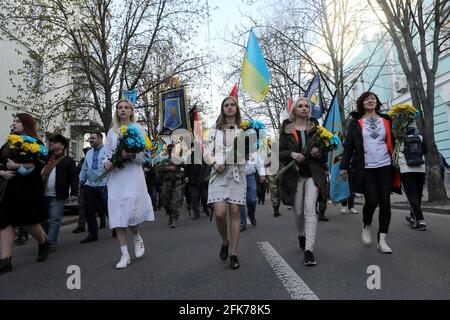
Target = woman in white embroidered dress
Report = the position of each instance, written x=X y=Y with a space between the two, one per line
x=227 y=190
x=128 y=202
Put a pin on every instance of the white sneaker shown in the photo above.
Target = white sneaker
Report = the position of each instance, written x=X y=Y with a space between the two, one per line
x=124 y=262
x=343 y=209
x=367 y=235
x=139 y=248
x=353 y=210
x=382 y=245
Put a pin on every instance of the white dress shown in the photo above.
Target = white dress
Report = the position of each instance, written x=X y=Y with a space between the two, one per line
x=231 y=184
x=129 y=203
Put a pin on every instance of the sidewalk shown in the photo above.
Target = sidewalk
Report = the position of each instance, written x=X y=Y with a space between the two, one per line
x=400 y=202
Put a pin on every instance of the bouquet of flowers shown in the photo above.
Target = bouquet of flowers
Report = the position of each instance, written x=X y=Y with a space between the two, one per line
x=322 y=139
x=25 y=149
x=402 y=115
x=131 y=141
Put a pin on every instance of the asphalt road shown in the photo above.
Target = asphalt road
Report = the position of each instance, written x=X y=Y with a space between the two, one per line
x=183 y=263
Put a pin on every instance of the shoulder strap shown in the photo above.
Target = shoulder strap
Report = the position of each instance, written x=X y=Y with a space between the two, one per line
x=361 y=123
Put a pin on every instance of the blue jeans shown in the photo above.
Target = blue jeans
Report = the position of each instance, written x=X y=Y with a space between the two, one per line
x=251 y=199
x=55 y=209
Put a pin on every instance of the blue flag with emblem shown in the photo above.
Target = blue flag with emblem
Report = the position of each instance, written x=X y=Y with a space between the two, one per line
x=339 y=189
x=130 y=95
x=315 y=98
x=174 y=112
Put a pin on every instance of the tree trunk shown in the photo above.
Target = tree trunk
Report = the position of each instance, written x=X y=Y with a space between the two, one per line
x=107 y=114
x=435 y=184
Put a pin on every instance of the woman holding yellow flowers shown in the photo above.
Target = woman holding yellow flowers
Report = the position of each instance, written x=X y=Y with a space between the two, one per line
x=302 y=183
x=22 y=202
x=368 y=150
x=409 y=158
x=129 y=203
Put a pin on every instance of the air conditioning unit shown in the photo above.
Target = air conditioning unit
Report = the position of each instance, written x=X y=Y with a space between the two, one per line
x=400 y=85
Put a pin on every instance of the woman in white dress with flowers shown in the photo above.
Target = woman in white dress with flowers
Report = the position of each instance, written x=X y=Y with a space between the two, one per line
x=227 y=188
x=129 y=203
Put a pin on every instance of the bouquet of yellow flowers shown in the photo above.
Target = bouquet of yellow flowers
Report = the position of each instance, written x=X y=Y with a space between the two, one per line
x=322 y=139
x=402 y=115
x=24 y=149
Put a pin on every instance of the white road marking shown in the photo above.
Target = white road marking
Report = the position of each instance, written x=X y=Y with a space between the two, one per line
x=296 y=287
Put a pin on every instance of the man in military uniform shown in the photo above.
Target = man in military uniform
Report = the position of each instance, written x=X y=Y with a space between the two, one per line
x=170 y=175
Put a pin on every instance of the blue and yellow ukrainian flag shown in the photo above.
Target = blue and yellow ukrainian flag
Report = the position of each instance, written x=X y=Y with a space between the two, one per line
x=255 y=75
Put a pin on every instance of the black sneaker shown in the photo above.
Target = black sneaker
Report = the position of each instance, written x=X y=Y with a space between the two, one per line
x=5 y=265
x=224 y=252
x=44 y=249
x=253 y=222
x=234 y=262
x=89 y=238
x=302 y=242
x=410 y=220
x=419 y=226
x=323 y=218
x=309 y=259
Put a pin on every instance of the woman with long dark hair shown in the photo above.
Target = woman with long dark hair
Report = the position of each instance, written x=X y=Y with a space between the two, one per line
x=227 y=191
x=22 y=204
x=368 y=149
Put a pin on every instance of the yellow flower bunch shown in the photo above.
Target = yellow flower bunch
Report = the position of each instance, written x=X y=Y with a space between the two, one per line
x=245 y=124
x=31 y=147
x=148 y=143
x=324 y=135
x=14 y=141
x=401 y=107
x=123 y=130
x=25 y=148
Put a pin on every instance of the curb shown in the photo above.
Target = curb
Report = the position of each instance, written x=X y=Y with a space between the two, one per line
x=69 y=221
x=424 y=209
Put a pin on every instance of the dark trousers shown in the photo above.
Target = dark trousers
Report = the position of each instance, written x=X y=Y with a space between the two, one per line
x=412 y=186
x=81 y=215
x=377 y=192
x=194 y=196
x=350 y=201
x=187 y=195
x=198 y=194
x=261 y=191
x=154 y=191
x=94 y=198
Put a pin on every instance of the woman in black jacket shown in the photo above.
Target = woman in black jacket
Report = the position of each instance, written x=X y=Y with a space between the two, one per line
x=301 y=184
x=368 y=150
x=22 y=204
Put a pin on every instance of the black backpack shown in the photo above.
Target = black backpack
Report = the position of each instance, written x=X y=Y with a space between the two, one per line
x=413 y=149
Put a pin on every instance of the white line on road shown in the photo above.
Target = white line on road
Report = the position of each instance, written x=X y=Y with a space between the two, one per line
x=296 y=287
